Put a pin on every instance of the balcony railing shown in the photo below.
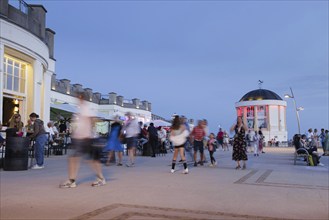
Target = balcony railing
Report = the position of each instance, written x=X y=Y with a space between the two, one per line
x=20 y=5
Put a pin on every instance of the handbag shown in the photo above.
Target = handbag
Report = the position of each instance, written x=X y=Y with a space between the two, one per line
x=180 y=139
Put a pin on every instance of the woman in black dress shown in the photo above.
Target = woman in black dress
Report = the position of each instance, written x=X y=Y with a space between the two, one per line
x=239 y=143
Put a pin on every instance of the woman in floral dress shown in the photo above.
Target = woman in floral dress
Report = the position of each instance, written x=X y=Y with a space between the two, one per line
x=239 y=143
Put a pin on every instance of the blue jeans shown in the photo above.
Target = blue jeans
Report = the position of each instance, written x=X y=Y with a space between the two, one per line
x=39 y=148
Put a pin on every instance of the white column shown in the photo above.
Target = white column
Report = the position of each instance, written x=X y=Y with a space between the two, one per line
x=37 y=84
x=2 y=54
x=268 y=115
x=279 y=117
x=255 y=118
x=46 y=87
x=245 y=115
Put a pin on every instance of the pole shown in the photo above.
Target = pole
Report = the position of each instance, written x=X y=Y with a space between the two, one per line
x=297 y=115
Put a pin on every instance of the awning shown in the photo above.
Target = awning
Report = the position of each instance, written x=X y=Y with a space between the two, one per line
x=65 y=107
x=62 y=111
x=102 y=115
x=66 y=110
x=158 y=123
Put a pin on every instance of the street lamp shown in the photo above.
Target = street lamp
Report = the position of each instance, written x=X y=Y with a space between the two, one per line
x=297 y=109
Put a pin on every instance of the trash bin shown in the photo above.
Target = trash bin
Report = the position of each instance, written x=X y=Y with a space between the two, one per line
x=16 y=154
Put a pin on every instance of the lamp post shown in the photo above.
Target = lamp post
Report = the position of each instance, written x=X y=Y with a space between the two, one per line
x=297 y=109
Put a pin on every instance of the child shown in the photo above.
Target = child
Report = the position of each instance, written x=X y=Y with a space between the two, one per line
x=212 y=148
x=226 y=141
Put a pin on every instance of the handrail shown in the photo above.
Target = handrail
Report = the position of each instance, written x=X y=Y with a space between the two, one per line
x=22 y=5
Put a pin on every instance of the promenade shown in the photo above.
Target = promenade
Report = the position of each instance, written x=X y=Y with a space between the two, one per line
x=270 y=188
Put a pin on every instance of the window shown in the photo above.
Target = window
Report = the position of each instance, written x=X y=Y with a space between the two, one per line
x=14 y=78
x=261 y=116
x=20 y=5
x=250 y=117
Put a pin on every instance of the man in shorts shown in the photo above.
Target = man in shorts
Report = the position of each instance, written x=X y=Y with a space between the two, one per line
x=198 y=134
x=131 y=130
x=82 y=147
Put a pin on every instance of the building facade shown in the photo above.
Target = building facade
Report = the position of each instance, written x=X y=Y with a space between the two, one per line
x=27 y=71
x=265 y=110
x=103 y=106
x=26 y=60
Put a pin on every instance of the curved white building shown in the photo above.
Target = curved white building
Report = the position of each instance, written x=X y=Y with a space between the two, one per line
x=27 y=71
x=26 y=60
x=265 y=110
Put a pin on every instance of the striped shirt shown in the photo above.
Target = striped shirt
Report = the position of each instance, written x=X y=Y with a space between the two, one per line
x=198 y=133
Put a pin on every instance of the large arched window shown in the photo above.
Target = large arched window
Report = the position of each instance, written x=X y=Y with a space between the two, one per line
x=14 y=78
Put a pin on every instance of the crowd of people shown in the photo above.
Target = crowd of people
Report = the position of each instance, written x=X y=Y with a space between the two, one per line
x=39 y=134
x=132 y=134
x=310 y=142
x=315 y=139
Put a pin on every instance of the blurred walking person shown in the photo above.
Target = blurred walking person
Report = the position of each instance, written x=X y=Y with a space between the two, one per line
x=261 y=142
x=212 y=148
x=82 y=134
x=226 y=141
x=255 y=143
x=40 y=137
x=131 y=130
x=178 y=135
x=326 y=143
x=113 y=143
x=220 y=138
x=322 y=138
x=188 y=144
x=162 y=134
x=153 y=138
x=205 y=139
x=239 y=143
x=197 y=135
x=142 y=136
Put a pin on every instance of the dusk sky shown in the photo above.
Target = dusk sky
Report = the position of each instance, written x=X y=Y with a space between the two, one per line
x=197 y=58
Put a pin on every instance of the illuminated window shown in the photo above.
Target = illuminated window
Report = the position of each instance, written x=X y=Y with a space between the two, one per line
x=14 y=78
x=262 y=116
x=250 y=117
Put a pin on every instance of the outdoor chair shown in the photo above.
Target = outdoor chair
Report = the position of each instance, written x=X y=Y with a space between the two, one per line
x=301 y=153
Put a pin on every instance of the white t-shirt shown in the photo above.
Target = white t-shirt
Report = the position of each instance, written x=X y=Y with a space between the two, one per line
x=83 y=126
x=132 y=128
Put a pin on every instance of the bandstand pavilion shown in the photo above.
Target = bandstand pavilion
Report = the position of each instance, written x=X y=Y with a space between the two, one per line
x=265 y=110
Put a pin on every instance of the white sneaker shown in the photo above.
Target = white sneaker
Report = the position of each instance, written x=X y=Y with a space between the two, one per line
x=37 y=167
x=99 y=182
x=68 y=184
x=321 y=164
x=172 y=171
x=211 y=165
x=215 y=163
x=130 y=165
x=185 y=171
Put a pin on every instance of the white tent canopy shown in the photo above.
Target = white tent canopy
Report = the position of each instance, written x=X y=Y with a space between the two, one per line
x=158 y=123
x=74 y=109
x=65 y=107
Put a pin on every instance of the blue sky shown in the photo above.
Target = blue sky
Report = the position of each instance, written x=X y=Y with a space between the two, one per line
x=197 y=58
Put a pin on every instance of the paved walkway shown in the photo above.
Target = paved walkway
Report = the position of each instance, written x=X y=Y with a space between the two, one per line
x=270 y=188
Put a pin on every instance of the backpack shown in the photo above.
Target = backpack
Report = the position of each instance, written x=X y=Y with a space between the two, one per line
x=312 y=160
